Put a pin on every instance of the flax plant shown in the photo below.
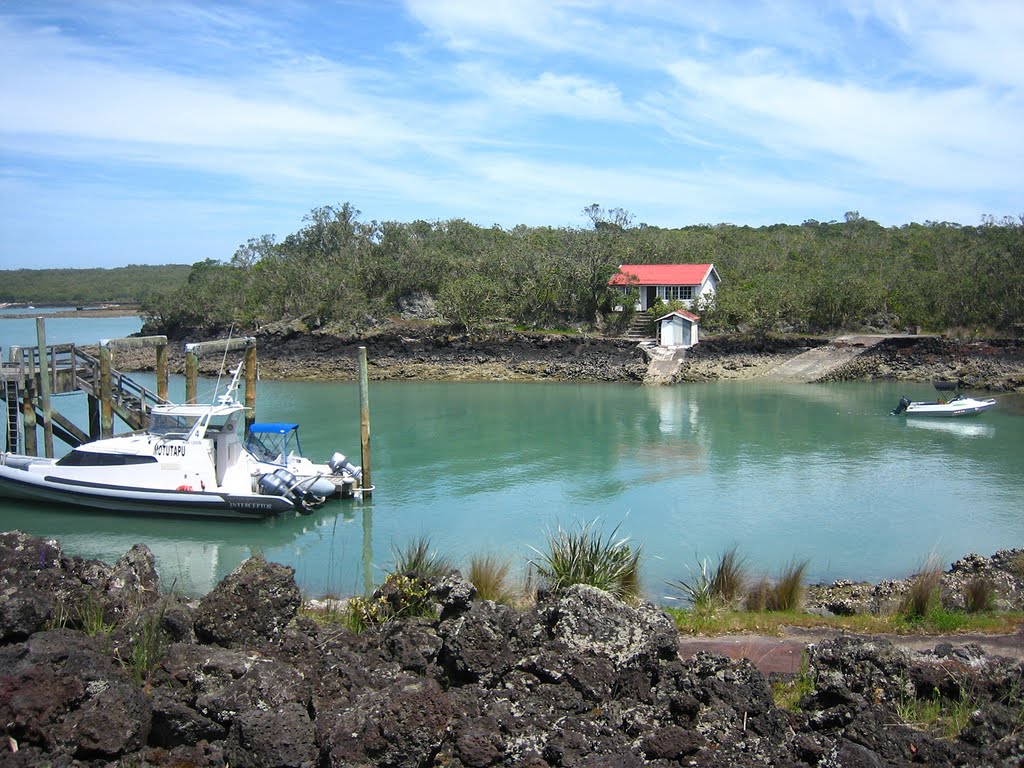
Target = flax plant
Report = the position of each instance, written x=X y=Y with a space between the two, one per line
x=721 y=587
x=417 y=559
x=587 y=556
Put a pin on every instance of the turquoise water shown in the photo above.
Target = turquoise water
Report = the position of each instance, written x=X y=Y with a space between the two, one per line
x=782 y=471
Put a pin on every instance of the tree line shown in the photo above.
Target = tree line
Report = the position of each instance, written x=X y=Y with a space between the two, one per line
x=343 y=272
x=79 y=287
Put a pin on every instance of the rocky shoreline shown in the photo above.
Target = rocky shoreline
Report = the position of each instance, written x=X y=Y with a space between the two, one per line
x=431 y=353
x=99 y=667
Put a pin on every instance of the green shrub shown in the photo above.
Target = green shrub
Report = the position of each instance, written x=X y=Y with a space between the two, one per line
x=586 y=556
x=400 y=596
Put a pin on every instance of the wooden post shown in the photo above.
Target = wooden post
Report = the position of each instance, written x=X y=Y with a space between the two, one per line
x=44 y=387
x=94 y=417
x=364 y=422
x=161 y=370
x=250 y=385
x=28 y=421
x=191 y=370
x=106 y=403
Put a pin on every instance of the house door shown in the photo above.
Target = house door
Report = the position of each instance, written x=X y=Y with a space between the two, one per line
x=652 y=296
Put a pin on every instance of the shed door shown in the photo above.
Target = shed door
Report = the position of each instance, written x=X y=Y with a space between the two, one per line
x=684 y=333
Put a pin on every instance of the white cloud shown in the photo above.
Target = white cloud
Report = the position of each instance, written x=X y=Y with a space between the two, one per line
x=518 y=111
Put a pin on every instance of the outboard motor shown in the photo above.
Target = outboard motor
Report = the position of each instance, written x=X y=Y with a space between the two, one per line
x=904 y=402
x=272 y=485
x=339 y=463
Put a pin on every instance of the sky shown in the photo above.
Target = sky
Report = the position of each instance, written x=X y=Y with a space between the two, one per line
x=173 y=132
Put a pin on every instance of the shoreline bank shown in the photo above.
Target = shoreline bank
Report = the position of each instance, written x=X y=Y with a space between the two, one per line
x=995 y=365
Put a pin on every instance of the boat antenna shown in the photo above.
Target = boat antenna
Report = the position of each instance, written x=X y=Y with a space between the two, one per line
x=223 y=362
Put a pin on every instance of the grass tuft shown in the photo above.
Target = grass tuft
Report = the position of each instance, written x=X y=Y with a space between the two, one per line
x=1017 y=566
x=708 y=590
x=587 y=556
x=788 y=694
x=787 y=593
x=924 y=595
x=979 y=595
x=490 y=576
x=419 y=561
x=937 y=714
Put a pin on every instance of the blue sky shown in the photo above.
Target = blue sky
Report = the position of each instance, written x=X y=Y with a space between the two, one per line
x=173 y=132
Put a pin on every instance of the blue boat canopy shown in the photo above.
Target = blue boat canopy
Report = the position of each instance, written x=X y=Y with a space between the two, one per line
x=273 y=427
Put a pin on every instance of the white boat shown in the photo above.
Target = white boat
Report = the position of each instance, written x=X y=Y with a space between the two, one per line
x=191 y=460
x=950 y=402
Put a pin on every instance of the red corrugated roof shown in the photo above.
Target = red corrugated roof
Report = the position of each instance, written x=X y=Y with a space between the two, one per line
x=682 y=313
x=661 y=274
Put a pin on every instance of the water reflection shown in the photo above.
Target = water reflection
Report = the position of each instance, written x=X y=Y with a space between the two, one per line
x=192 y=556
x=972 y=428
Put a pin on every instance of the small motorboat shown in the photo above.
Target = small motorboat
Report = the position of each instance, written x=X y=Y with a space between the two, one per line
x=950 y=402
x=191 y=460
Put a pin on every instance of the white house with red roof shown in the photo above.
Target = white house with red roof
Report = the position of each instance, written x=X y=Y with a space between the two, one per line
x=689 y=283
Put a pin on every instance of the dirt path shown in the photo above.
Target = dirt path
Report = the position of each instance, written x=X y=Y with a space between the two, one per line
x=783 y=653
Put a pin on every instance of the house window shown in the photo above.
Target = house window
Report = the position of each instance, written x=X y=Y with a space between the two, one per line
x=675 y=292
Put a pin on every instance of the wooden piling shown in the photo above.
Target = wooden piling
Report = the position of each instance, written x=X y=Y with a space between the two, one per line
x=192 y=353
x=250 y=385
x=364 y=422
x=28 y=422
x=106 y=394
x=161 y=370
x=191 y=371
x=44 y=387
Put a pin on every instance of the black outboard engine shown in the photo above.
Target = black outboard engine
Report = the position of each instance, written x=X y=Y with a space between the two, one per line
x=272 y=485
x=904 y=402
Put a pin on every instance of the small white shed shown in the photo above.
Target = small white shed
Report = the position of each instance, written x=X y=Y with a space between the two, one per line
x=678 y=329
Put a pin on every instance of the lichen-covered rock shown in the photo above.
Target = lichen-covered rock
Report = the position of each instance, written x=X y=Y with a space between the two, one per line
x=252 y=605
x=581 y=679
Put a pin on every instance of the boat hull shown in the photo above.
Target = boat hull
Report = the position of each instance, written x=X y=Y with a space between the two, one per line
x=954 y=409
x=41 y=487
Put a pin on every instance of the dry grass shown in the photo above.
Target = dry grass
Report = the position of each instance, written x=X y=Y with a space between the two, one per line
x=775 y=623
x=923 y=597
x=784 y=594
x=979 y=595
x=490 y=575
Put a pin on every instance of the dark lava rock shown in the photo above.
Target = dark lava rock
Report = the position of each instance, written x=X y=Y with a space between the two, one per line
x=580 y=679
x=251 y=605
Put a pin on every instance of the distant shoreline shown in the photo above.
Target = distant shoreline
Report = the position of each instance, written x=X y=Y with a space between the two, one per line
x=105 y=310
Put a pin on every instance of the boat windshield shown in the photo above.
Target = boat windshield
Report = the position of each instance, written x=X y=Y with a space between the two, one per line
x=171 y=424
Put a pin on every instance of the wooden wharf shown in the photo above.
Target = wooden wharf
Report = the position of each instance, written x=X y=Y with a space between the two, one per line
x=30 y=376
